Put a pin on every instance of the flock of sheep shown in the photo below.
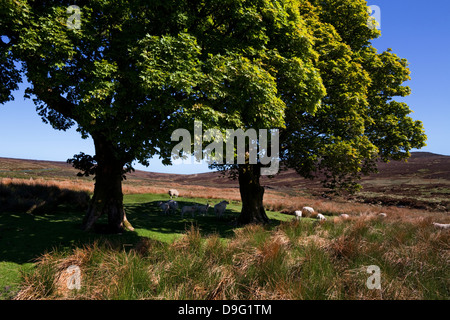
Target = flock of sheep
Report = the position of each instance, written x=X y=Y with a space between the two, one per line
x=172 y=206
x=219 y=209
x=310 y=213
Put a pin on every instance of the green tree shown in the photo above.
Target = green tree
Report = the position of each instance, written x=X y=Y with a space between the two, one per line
x=290 y=57
x=136 y=70
x=359 y=123
x=9 y=75
x=94 y=77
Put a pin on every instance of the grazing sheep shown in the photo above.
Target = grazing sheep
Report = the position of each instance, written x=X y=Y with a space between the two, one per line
x=173 y=205
x=321 y=217
x=382 y=214
x=308 y=212
x=173 y=193
x=298 y=214
x=203 y=210
x=344 y=216
x=165 y=207
x=187 y=209
x=441 y=226
x=219 y=208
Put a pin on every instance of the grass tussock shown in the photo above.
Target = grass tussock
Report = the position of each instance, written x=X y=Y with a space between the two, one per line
x=295 y=260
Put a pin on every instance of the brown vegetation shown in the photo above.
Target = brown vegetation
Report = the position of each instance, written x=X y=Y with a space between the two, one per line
x=296 y=260
x=423 y=183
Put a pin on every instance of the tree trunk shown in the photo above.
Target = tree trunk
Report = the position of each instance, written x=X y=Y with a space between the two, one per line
x=252 y=194
x=108 y=196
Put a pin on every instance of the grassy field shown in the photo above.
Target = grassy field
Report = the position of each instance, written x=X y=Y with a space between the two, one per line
x=169 y=257
x=24 y=236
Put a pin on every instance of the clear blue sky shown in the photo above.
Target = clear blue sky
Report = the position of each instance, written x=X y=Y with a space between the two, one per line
x=416 y=30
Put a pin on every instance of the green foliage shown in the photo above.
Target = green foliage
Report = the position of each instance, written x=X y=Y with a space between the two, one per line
x=136 y=70
x=358 y=123
x=9 y=76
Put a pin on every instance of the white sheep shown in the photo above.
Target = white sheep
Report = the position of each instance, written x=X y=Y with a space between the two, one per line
x=173 y=193
x=219 y=208
x=344 y=216
x=321 y=217
x=298 y=214
x=308 y=212
x=187 y=209
x=382 y=214
x=203 y=210
x=441 y=226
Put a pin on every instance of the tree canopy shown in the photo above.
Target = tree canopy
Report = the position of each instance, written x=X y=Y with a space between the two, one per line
x=131 y=72
x=136 y=70
x=359 y=123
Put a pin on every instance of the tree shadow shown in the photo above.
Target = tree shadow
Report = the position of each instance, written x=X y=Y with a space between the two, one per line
x=25 y=237
x=35 y=219
x=39 y=199
x=150 y=217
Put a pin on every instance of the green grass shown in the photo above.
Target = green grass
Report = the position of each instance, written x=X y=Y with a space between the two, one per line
x=144 y=213
x=169 y=257
x=293 y=260
x=24 y=237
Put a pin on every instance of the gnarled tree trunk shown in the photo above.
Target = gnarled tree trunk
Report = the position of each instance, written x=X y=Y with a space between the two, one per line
x=252 y=194
x=108 y=196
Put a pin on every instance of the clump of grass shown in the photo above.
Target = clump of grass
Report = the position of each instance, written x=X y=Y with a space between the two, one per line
x=294 y=260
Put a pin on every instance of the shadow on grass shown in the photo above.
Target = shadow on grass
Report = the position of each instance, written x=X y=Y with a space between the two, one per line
x=37 y=199
x=35 y=219
x=25 y=237
x=148 y=216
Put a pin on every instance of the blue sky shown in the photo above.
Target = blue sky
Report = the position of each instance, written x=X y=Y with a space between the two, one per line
x=415 y=30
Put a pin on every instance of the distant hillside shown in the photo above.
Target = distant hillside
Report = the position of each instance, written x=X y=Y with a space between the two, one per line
x=423 y=181
x=421 y=165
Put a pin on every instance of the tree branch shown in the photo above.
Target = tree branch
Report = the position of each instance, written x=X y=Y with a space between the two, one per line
x=56 y=102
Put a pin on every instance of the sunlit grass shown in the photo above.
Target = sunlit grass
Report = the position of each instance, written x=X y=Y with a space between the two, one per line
x=294 y=260
x=202 y=257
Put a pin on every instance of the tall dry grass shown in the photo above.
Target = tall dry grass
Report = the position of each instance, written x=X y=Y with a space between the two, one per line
x=296 y=260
